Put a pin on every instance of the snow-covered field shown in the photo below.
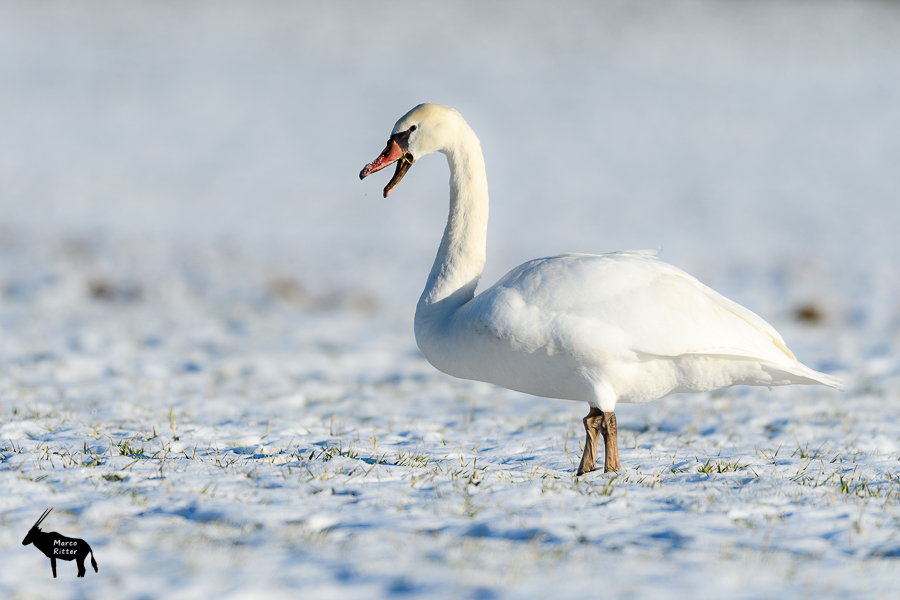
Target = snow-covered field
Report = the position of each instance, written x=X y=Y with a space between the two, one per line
x=207 y=363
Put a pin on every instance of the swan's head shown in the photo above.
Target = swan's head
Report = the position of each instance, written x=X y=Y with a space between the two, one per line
x=425 y=129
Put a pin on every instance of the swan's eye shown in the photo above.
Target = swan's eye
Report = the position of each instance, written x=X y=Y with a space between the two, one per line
x=413 y=128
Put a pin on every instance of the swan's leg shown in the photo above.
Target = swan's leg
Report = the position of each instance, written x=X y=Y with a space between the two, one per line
x=592 y=428
x=610 y=441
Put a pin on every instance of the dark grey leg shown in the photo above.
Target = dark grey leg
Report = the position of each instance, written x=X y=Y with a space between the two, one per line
x=610 y=441
x=592 y=428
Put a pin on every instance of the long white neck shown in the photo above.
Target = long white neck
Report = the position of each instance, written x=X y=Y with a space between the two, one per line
x=460 y=258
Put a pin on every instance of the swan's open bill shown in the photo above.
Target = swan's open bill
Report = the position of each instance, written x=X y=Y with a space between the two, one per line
x=602 y=329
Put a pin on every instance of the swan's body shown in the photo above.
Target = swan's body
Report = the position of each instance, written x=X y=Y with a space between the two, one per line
x=620 y=327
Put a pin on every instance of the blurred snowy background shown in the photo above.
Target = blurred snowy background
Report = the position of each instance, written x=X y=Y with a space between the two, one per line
x=760 y=136
x=182 y=227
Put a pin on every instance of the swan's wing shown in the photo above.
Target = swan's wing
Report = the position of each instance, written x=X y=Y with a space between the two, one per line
x=621 y=303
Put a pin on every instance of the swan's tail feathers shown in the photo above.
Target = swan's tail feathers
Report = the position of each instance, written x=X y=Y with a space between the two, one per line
x=809 y=377
x=830 y=380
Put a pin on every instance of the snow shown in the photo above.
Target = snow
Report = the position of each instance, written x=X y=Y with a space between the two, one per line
x=207 y=364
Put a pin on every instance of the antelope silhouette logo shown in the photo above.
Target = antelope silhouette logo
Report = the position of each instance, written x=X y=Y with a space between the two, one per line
x=58 y=546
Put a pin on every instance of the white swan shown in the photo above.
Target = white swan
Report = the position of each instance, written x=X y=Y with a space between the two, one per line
x=620 y=327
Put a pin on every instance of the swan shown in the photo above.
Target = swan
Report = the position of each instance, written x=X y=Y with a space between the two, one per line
x=603 y=329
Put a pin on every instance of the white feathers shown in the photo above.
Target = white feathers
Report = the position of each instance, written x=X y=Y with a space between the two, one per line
x=600 y=328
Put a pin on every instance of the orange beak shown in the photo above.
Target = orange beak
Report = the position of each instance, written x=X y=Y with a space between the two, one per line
x=393 y=153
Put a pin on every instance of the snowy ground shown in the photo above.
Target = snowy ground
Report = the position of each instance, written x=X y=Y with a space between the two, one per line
x=207 y=363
